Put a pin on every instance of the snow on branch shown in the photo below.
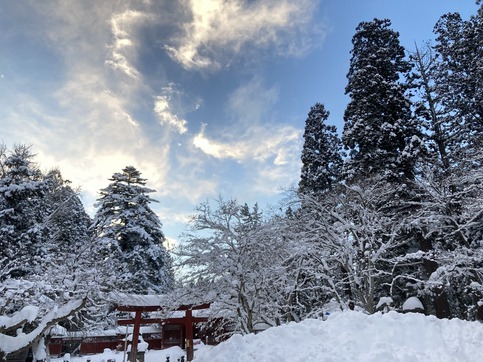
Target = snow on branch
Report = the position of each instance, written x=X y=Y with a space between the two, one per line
x=27 y=314
x=9 y=344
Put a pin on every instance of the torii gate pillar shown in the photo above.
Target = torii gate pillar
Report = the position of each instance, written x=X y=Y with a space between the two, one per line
x=188 y=321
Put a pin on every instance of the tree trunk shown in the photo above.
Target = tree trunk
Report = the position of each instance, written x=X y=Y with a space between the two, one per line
x=439 y=298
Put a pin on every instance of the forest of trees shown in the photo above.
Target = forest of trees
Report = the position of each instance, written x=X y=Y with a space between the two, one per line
x=389 y=209
x=53 y=257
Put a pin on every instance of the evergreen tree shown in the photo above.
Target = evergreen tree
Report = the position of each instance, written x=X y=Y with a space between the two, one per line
x=378 y=130
x=43 y=237
x=448 y=78
x=321 y=154
x=21 y=226
x=460 y=46
x=439 y=130
x=67 y=250
x=129 y=237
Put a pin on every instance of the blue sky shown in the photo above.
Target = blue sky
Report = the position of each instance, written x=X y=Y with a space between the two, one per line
x=204 y=97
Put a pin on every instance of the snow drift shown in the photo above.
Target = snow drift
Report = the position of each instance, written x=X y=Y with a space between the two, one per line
x=354 y=336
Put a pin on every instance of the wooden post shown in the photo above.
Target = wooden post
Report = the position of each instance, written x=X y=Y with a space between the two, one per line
x=189 y=334
x=135 y=336
x=188 y=321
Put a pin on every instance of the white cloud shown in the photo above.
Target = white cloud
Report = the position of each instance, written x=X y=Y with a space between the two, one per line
x=259 y=143
x=93 y=121
x=163 y=108
x=252 y=102
x=220 y=26
x=88 y=127
x=269 y=151
x=218 y=149
x=123 y=41
x=251 y=134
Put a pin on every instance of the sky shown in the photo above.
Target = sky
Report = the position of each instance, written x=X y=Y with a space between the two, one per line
x=205 y=98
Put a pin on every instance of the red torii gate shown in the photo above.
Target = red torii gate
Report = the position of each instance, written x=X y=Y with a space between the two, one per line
x=188 y=320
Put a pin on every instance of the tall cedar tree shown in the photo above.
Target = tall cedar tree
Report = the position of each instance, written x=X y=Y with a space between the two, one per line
x=43 y=244
x=460 y=47
x=378 y=130
x=130 y=237
x=21 y=189
x=321 y=154
x=439 y=132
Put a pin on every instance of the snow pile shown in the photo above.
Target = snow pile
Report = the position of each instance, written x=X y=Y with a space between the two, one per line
x=354 y=336
x=174 y=354
x=412 y=303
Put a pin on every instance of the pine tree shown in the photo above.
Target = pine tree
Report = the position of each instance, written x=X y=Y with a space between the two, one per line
x=129 y=236
x=378 y=131
x=321 y=154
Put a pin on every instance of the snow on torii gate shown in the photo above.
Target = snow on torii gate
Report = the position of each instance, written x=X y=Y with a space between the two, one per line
x=188 y=321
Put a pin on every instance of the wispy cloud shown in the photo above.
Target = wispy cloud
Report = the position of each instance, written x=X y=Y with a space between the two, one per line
x=259 y=143
x=219 y=28
x=251 y=132
x=87 y=124
x=123 y=41
x=253 y=138
x=219 y=149
x=99 y=108
x=163 y=108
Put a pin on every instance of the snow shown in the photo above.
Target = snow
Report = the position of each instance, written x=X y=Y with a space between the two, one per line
x=28 y=314
x=344 y=336
x=412 y=303
x=10 y=344
x=384 y=301
x=354 y=336
x=137 y=300
x=174 y=353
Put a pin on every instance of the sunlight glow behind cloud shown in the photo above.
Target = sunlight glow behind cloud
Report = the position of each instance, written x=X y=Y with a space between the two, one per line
x=97 y=85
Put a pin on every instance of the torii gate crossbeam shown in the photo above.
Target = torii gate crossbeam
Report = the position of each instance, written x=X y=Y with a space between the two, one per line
x=188 y=321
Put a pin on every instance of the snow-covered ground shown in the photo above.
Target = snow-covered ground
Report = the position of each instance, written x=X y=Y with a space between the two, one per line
x=344 y=336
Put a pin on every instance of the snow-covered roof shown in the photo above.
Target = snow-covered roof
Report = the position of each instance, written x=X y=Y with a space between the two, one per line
x=153 y=328
x=137 y=300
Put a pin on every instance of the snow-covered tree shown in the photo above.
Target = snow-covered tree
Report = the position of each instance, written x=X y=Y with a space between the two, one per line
x=234 y=258
x=321 y=153
x=447 y=78
x=43 y=235
x=68 y=249
x=450 y=219
x=460 y=46
x=129 y=238
x=13 y=338
x=353 y=242
x=438 y=124
x=21 y=226
x=379 y=131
